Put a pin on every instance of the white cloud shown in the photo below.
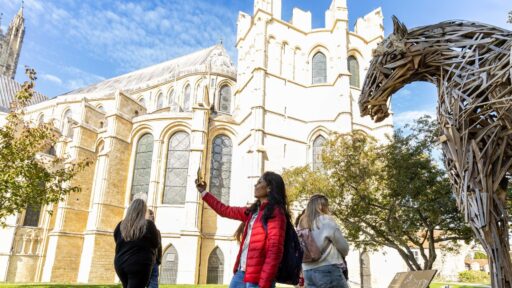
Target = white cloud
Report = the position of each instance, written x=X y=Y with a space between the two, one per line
x=137 y=34
x=408 y=117
x=79 y=78
x=52 y=78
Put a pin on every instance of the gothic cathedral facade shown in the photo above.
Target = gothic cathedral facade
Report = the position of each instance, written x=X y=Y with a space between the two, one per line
x=148 y=132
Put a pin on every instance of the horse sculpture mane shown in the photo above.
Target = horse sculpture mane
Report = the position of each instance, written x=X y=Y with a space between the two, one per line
x=470 y=63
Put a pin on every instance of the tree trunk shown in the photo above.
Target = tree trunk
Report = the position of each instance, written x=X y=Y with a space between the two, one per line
x=365 y=272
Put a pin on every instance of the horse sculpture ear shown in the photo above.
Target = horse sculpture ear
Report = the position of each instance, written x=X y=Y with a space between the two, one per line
x=399 y=29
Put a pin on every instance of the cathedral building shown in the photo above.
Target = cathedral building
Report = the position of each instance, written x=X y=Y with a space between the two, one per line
x=10 y=45
x=150 y=131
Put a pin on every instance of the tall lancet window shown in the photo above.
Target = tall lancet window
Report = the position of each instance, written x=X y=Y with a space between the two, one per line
x=220 y=168
x=142 y=166
x=67 y=123
x=215 y=267
x=169 y=268
x=177 y=169
x=186 y=98
x=318 y=146
x=225 y=99
x=353 y=68
x=319 y=68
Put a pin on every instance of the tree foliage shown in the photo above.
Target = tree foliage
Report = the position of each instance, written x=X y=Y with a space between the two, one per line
x=392 y=194
x=29 y=177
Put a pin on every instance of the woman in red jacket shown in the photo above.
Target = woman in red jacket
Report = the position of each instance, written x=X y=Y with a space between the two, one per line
x=261 y=248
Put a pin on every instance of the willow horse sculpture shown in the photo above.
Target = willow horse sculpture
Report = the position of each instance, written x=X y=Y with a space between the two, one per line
x=470 y=63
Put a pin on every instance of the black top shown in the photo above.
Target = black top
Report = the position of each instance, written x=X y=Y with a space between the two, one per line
x=158 y=260
x=140 y=251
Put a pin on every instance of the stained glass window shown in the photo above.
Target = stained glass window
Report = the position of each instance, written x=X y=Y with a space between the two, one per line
x=225 y=99
x=319 y=68
x=215 y=267
x=186 y=98
x=32 y=215
x=142 y=167
x=177 y=169
x=220 y=167
x=353 y=68
x=318 y=146
x=169 y=266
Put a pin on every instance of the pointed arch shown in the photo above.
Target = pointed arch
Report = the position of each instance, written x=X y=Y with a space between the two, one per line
x=178 y=157
x=220 y=167
x=169 y=268
x=215 y=273
x=67 y=122
x=142 y=165
x=318 y=146
x=319 y=68
x=353 y=68
x=225 y=99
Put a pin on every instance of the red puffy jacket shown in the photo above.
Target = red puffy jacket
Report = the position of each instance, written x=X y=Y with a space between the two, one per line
x=265 y=248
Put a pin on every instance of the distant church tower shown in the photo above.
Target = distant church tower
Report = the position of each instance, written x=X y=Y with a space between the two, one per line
x=10 y=45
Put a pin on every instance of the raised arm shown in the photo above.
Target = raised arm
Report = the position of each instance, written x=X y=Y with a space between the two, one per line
x=235 y=213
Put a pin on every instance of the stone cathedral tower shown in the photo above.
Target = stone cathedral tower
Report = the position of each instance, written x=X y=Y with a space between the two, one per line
x=10 y=45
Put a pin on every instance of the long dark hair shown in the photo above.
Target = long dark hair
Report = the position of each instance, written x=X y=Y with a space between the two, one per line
x=276 y=198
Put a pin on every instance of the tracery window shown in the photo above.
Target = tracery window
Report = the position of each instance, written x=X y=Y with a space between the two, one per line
x=215 y=267
x=178 y=155
x=353 y=68
x=220 y=168
x=318 y=145
x=319 y=68
x=142 y=166
x=169 y=266
x=225 y=99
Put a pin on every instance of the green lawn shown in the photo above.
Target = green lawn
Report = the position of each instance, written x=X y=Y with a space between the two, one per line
x=440 y=285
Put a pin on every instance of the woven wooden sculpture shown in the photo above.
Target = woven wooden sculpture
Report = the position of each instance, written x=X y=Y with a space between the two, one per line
x=471 y=65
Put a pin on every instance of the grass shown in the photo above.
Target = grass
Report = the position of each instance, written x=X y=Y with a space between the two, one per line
x=440 y=285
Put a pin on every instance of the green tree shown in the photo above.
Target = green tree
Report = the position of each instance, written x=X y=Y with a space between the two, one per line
x=28 y=177
x=391 y=195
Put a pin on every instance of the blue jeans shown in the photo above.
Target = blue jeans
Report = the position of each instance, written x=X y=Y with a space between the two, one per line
x=328 y=276
x=238 y=281
x=153 y=279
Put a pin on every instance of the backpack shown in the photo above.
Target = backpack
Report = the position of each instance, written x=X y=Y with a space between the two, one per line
x=291 y=263
x=312 y=252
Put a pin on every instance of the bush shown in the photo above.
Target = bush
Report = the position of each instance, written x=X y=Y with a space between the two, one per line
x=480 y=255
x=474 y=277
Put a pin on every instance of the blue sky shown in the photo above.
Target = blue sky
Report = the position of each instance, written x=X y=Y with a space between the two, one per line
x=73 y=43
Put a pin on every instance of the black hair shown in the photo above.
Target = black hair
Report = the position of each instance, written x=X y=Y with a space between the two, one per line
x=276 y=198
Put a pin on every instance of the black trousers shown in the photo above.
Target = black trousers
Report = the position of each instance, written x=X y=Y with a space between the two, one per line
x=134 y=275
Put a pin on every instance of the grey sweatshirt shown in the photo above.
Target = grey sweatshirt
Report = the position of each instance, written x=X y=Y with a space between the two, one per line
x=329 y=239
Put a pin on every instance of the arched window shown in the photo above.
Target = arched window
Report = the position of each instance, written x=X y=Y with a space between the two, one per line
x=142 y=166
x=32 y=214
x=353 y=68
x=159 y=101
x=319 y=68
x=225 y=99
x=169 y=266
x=51 y=151
x=101 y=108
x=177 y=169
x=318 y=145
x=67 y=121
x=220 y=169
x=186 y=98
x=215 y=267
x=173 y=101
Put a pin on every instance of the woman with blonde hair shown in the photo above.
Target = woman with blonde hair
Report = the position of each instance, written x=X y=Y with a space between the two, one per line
x=324 y=272
x=136 y=244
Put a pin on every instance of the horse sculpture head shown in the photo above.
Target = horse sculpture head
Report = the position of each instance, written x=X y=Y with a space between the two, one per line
x=390 y=63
